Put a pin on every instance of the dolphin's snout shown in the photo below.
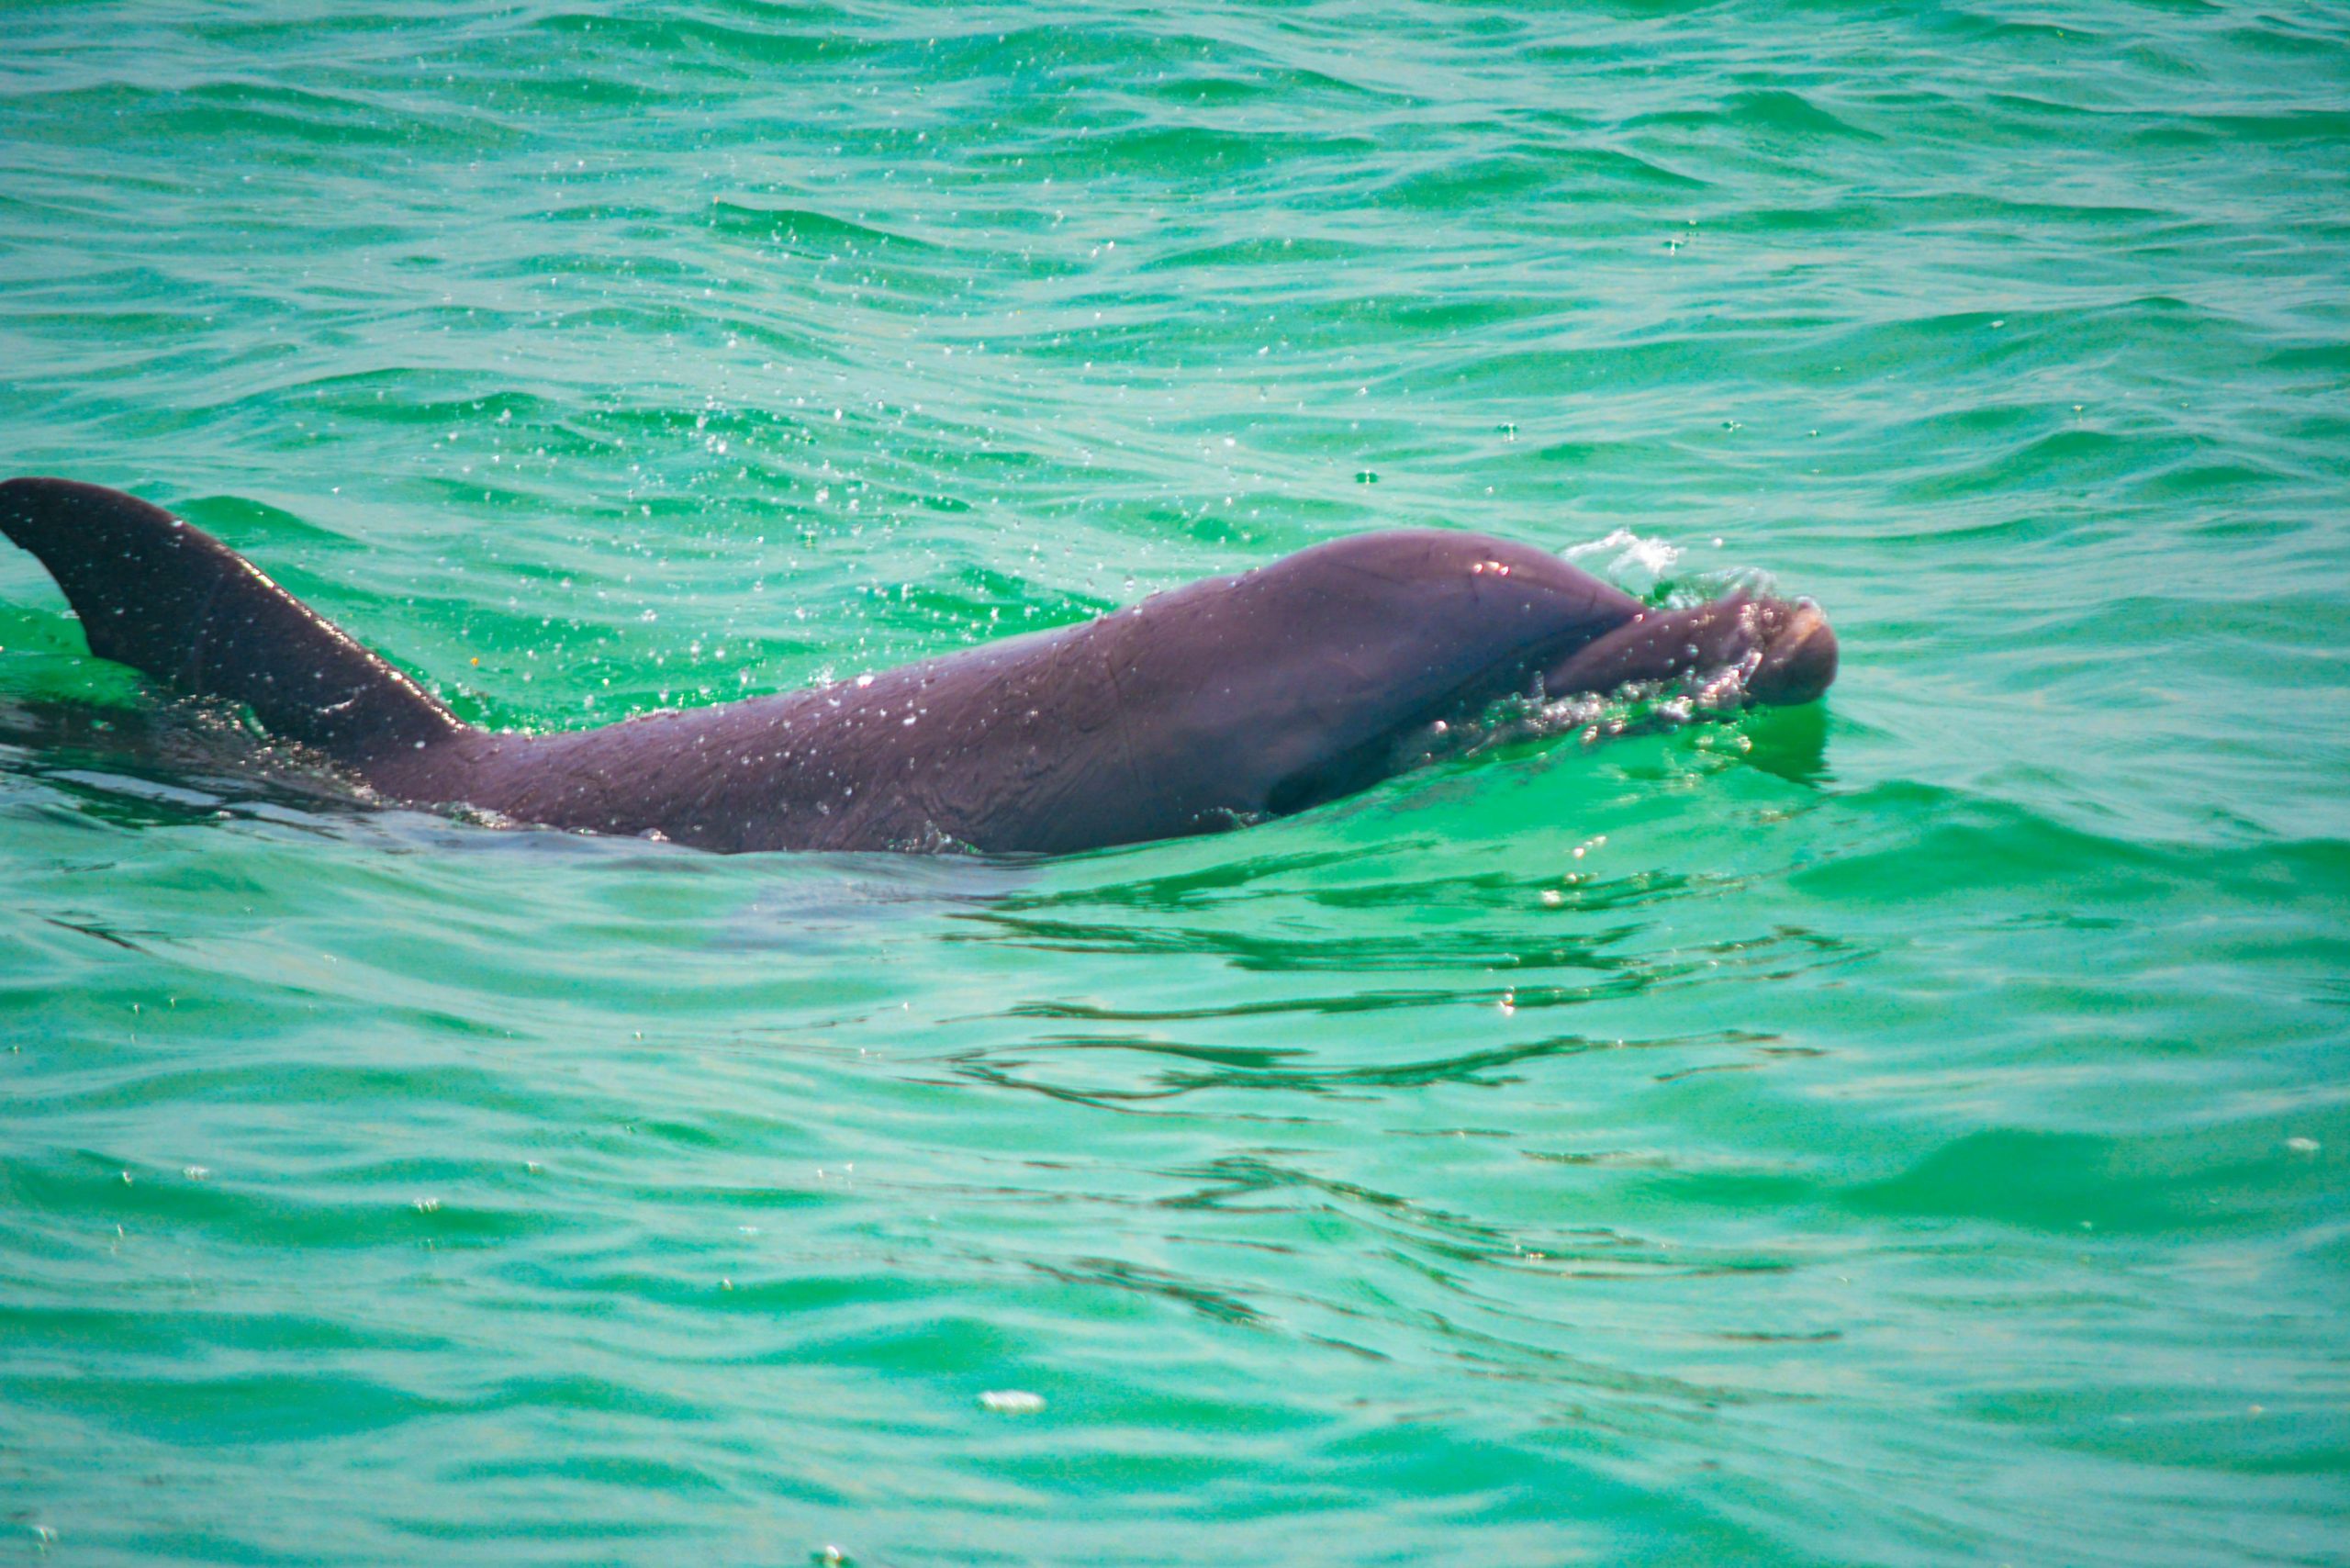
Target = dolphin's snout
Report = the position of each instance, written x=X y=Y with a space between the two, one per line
x=1798 y=660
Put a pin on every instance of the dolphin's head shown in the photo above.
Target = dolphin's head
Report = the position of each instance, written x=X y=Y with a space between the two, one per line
x=1305 y=680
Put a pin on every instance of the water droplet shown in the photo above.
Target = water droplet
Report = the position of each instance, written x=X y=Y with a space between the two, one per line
x=1011 y=1401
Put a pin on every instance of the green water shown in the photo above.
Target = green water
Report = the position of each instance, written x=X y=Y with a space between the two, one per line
x=1907 y=1131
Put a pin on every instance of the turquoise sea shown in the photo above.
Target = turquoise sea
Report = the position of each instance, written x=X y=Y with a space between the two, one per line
x=1907 y=1130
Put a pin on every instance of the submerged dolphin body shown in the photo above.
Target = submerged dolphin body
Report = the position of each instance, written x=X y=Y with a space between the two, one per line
x=1221 y=701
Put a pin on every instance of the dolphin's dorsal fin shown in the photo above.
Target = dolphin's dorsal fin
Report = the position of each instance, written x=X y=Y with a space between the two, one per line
x=167 y=598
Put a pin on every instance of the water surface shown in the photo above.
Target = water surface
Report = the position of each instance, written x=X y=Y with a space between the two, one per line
x=1906 y=1131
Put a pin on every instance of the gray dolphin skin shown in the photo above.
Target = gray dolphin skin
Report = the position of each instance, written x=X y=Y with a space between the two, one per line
x=1219 y=702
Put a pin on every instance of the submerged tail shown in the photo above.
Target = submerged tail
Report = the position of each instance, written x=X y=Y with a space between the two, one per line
x=168 y=599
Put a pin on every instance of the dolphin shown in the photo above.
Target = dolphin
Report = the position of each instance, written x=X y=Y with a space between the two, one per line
x=1221 y=703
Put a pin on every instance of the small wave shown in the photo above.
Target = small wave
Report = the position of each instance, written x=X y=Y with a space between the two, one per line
x=811 y=233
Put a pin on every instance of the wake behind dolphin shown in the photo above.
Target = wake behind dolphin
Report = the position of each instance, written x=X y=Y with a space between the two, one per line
x=1219 y=702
